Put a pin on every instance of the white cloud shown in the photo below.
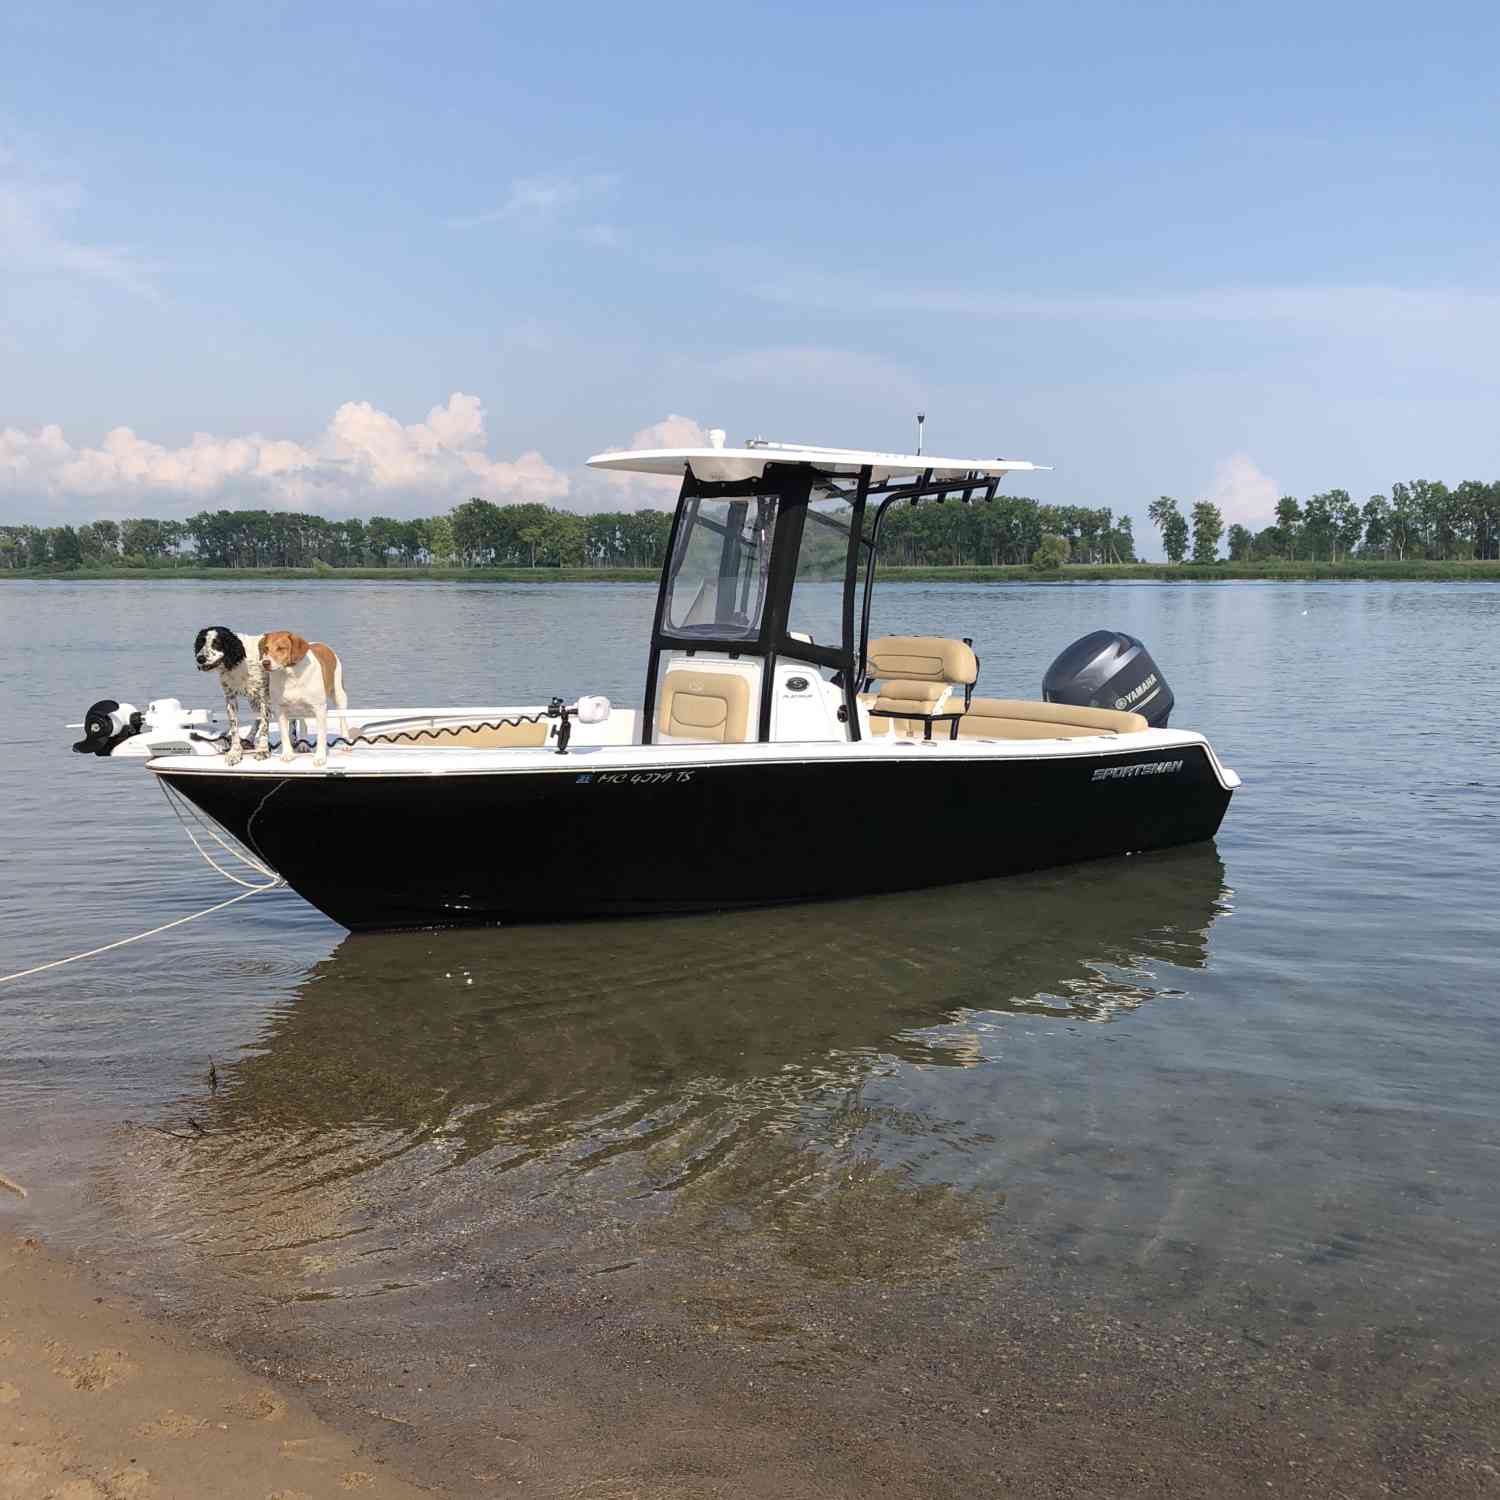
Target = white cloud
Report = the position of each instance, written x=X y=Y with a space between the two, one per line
x=542 y=202
x=36 y=208
x=364 y=459
x=604 y=489
x=1243 y=493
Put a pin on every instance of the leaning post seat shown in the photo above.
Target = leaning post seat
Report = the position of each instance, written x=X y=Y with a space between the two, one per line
x=918 y=673
x=704 y=705
x=1020 y=719
x=923 y=658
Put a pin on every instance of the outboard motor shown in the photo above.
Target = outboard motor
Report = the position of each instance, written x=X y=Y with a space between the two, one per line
x=1109 y=669
x=106 y=724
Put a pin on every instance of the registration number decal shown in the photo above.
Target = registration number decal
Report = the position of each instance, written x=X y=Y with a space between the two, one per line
x=638 y=778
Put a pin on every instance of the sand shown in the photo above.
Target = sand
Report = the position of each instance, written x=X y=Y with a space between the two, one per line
x=98 y=1403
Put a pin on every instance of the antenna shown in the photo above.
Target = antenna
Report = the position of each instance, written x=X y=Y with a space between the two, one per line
x=921 y=418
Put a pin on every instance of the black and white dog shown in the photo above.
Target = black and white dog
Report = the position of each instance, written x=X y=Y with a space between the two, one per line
x=236 y=658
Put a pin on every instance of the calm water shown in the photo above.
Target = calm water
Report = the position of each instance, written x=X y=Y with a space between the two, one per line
x=1242 y=1094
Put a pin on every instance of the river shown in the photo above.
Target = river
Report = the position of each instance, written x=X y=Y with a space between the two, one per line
x=1174 y=1174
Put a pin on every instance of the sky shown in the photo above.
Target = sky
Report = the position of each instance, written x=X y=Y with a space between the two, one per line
x=375 y=258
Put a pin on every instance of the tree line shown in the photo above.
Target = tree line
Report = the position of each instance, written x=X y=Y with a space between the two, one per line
x=479 y=534
x=474 y=534
x=1421 y=519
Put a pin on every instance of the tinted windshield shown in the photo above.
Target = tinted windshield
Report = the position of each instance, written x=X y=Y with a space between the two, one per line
x=717 y=586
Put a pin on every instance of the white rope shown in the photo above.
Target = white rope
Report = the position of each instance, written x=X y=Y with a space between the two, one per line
x=174 y=799
x=273 y=882
x=57 y=963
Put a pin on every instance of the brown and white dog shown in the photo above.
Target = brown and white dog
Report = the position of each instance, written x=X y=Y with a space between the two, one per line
x=303 y=676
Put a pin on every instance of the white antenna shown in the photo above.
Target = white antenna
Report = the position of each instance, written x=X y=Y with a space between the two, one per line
x=921 y=418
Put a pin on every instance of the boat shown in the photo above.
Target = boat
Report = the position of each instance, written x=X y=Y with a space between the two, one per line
x=779 y=753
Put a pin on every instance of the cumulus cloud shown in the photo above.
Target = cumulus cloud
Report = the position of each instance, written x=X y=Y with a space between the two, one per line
x=364 y=459
x=608 y=490
x=1243 y=492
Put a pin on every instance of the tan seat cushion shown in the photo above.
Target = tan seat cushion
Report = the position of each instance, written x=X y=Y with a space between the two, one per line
x=704 y=706
x=917 y=697
x=489 y=736
x=913 y=698
x=1022 y=719
x=923 y=658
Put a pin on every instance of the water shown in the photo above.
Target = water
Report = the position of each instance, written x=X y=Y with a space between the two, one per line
x=1192 y=1154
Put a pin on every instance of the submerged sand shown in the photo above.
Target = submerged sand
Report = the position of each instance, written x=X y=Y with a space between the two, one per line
x=99 y=1403
x=667 y=1389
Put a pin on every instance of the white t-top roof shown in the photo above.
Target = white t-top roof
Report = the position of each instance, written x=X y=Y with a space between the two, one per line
x=718 y=464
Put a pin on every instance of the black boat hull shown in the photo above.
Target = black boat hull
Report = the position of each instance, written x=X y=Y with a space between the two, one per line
x=405 y=851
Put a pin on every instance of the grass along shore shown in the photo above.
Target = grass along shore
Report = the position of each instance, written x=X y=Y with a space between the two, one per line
x=1358 y=571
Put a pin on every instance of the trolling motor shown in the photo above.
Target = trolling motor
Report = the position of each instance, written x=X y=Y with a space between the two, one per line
x=106 y=724
x=163 y=727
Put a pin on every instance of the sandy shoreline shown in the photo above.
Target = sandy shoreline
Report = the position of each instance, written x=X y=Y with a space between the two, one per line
x=99 y=1403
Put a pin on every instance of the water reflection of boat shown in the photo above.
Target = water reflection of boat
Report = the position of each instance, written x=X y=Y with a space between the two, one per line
x=716 y=1068
x=515 y=1039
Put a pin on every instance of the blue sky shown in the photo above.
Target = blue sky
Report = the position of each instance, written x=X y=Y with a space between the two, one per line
x=379 y=257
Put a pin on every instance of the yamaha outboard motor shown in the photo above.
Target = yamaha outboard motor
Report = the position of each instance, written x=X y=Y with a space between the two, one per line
x=1109 y=669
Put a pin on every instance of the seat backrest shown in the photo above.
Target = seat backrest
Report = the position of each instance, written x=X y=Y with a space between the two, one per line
x=1021 y=719
x=923 y=658
x=704 y=705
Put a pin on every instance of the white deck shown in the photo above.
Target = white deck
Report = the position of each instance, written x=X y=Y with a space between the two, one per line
x=586 y=758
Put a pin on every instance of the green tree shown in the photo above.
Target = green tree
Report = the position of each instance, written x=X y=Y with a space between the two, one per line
x=1289 y=523
x=1208 y=527
x=1052 y=553
x=1317 y=526
x=1404 y=523
x=440 y=545
x=1377 y=519
x=1348 y=522
x=1240 y=543
x=476 y=531
x=66 y=552
x=1168 y=520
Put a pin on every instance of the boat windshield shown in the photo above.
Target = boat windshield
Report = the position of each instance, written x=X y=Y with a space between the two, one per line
x=716 y=589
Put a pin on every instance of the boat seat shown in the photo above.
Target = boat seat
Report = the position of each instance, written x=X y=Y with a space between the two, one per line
x=923 y=658
x=1021 y=719
x=924 y=701
x=478 y=736
x=697 y=705
x=918 y=672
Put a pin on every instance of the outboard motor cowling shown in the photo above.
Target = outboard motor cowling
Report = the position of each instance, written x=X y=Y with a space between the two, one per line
x=1109 y=669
